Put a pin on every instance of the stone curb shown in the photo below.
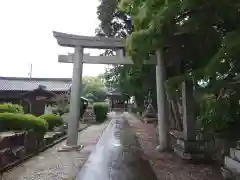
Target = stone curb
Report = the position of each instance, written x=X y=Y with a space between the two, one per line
x=29 y=156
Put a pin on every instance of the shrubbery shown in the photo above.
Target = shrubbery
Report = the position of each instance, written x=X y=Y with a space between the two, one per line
x=100 y=110
x=60 y=111
x=11 y=108
x=218 y=115
x=53 y=120
x=22 y=122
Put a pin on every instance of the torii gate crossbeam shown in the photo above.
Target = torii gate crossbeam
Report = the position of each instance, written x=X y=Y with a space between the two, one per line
x=78 y=58
x=101 y=59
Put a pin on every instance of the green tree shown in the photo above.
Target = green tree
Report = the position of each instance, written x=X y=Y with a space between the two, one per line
x=199 y=39
x=128 y=78
x=205 y=34
x=94 y=88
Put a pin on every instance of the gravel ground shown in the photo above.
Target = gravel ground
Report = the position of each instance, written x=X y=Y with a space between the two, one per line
x=168 y=165
x=54 y=165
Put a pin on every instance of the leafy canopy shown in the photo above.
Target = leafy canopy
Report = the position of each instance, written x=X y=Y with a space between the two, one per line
x=94 y=88
x=208 y=32
x=136 y=79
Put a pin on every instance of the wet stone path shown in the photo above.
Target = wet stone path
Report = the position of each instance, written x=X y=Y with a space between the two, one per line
x=117 y=155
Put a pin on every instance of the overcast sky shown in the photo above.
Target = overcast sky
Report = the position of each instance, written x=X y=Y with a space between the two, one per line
x=26 y=35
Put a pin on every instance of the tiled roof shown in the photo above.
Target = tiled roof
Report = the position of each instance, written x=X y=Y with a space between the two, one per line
x=29 y=84
x=116 y=92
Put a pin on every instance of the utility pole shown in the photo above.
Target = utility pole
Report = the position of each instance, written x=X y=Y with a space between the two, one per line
x=30 y=72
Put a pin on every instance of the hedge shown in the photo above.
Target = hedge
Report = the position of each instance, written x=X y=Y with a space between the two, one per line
x=11 y=108
x=53 y=120
x=22 y=122
x=100 y=109
x=61 y=111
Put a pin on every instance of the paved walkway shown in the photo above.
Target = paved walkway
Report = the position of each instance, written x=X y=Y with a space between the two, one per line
x=117 y=156
x=168 y=165
x=53 y=165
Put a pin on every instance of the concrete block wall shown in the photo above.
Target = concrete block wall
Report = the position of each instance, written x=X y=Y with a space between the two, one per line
x=231 y=169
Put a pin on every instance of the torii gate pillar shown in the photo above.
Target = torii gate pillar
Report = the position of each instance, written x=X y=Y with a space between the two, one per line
x=75 y=102
x=76 y=92
x=163 y=128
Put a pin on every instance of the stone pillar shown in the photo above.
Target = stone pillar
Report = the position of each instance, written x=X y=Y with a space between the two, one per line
x=186 y=145
x=188 y=103
x=75 y=99
x=161 y=104
x=120 y=53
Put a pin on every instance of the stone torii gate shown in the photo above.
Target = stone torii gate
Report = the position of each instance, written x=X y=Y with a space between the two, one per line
x=78 y=58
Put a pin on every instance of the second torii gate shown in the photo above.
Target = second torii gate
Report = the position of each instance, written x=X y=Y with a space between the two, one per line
x=78 y=58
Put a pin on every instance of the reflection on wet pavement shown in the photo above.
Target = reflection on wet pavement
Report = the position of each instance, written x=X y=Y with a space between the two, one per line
x=117 y=155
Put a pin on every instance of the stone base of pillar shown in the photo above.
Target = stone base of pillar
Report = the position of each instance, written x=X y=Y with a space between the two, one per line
x=189 y=150
x=67 y=148
x=159 y=148
x=231 y=168
x=163 y=148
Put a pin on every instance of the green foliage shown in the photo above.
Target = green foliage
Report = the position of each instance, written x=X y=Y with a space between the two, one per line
x=132 y=80
x=61 y=110
x=94 y=89
x=62 y=103
x=217 y=115
x=204 y=36
x=53 y=120
x=113 y=22
x=40 y=127
x=206 y=33
x=11 y=108
x=135 y=80
x=100 y=109
x=22 y=122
